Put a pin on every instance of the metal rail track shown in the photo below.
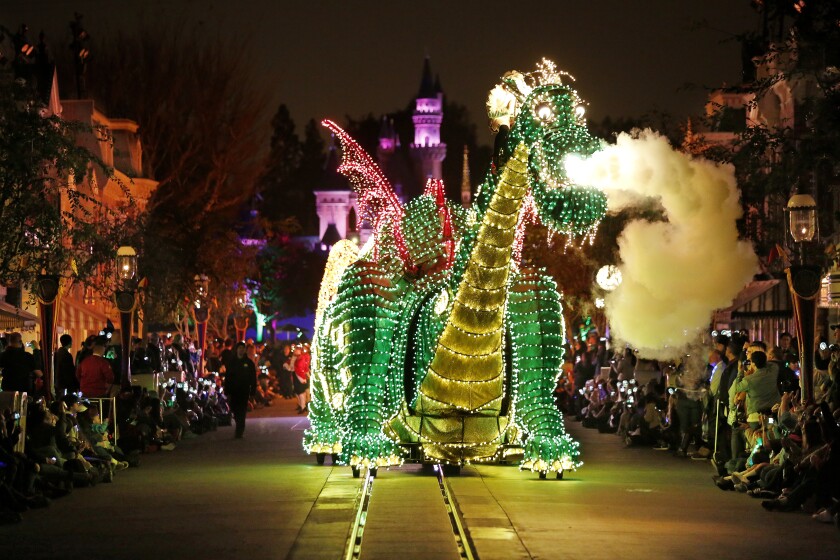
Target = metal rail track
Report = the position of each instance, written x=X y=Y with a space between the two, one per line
x=466 y=550
x=465 y=547
x=354 y=540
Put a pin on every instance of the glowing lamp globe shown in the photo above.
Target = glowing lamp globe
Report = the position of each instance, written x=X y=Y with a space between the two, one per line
x=126 y=263
x=242 y=299
x=803 y=217
x=608 y=278
x=202 y=285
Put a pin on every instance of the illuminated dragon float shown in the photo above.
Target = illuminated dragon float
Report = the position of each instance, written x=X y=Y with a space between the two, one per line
x=432 y=341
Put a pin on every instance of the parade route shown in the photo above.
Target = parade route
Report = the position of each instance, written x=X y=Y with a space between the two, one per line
x=262 y=497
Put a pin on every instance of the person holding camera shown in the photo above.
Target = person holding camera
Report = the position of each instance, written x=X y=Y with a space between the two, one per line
x=736 y=415
x=760 y=383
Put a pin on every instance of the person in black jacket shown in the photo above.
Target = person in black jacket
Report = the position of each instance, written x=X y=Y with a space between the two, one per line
x=153 y=353
x=18 y=366
x=240 y=384
x=65 y=368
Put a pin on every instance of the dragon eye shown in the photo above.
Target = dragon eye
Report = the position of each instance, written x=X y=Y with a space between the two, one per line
x=544 y=111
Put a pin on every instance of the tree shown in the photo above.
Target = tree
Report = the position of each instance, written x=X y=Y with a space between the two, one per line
x=791 y=63
x=309 y=175
x=288 y=274
x=50 y=226
x=280 y=195
x=199 y=118
x=458 y=131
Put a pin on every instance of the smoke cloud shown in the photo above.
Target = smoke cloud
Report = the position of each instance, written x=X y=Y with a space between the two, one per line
x=675 y=273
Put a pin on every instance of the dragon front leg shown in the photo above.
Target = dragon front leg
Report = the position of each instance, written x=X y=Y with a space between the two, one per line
x=536 y=328
x=370 y=311
x=327 y=388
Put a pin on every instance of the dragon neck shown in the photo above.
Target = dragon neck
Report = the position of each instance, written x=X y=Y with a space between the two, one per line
x=469 y=350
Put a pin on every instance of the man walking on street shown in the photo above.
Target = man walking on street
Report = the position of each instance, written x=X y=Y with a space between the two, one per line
x=240 y=385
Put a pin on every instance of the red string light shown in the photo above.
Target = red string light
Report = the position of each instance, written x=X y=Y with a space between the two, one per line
x=378 y=203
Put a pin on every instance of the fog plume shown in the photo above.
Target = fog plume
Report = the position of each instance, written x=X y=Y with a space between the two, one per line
x=675 y=273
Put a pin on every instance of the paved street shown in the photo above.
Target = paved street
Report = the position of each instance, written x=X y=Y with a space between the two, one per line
x=261 y=497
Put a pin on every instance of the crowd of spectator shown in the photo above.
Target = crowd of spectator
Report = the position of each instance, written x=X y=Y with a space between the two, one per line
x=737 y=405
x=95 y=426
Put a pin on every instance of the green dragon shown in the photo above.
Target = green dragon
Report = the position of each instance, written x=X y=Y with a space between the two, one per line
x=433 y=337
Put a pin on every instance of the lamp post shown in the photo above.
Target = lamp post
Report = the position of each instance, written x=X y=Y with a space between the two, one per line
x=201 y=308
x=125 y=299
x=47 y=290
x=804 y=282
x=240 y=318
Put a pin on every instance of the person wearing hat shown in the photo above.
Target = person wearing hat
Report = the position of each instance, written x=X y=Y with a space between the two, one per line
x=720 y=344
x=94 y=372
x=74 y=404
x=240 y=385
x=70 y=424
x=85 y=350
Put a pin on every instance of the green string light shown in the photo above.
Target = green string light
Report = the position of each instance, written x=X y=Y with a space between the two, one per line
x=391 y=327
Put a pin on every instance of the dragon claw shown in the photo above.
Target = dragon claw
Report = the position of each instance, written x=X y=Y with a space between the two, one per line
x=372 y=450
x=545 y=454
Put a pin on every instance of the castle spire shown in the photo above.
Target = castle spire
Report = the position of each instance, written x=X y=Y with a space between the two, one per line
x=466 y=190
x=427 y=84
x=427 y=149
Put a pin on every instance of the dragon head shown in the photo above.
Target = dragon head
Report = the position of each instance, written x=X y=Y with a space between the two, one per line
x=548 y=116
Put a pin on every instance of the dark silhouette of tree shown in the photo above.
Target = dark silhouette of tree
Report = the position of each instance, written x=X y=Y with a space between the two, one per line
x=281 y=196
x=773 y=158
x=199 y=118
x=288 y=273
x=365 y=130
x=309 y=175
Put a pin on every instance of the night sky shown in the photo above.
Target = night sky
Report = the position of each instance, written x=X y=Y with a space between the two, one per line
x=337 y=58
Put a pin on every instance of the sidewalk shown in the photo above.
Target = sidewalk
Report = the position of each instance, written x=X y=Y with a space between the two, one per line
x=213 y=497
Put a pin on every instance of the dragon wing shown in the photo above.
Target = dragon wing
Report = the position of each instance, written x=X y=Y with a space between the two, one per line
x=378 y=203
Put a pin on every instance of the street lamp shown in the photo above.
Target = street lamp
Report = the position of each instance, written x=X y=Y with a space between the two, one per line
x=802 y=219
x=125 y=299
x=240 y=318
x=201 y=308
x=804 y=282
x=47 y=290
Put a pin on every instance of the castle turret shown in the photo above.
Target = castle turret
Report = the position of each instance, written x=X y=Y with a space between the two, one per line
x=427 y=150
x=336 y=204
x=387 y=139
x=391 y=158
